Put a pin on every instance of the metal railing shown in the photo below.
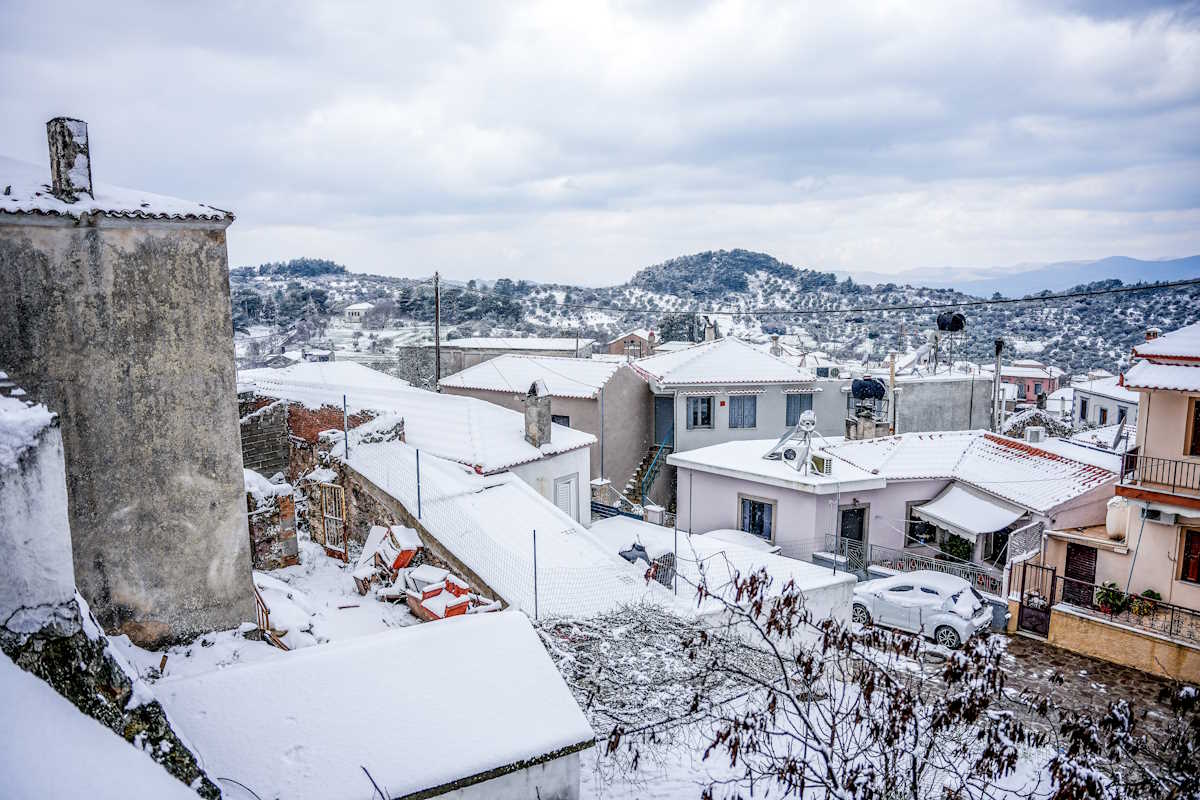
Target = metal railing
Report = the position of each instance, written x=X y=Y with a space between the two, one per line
x=652 y=472
x=264 y=622
x=853 y=550
x=1112 y=605
x=1169 y=474
x=982 y=578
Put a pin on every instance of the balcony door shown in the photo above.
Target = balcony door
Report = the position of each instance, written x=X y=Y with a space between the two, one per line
x=1080 y=574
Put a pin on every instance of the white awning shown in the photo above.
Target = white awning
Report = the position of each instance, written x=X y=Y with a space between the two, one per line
x=968 y=513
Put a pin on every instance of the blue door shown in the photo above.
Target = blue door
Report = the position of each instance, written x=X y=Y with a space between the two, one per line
x=664 y=419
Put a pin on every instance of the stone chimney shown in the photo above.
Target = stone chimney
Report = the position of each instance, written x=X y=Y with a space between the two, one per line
x=537 y=415
x=70 y=162
x=1153 y=333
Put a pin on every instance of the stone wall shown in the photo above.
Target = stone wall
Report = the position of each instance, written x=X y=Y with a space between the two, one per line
x=265 y=438
x=273 y=532
x=123 y=327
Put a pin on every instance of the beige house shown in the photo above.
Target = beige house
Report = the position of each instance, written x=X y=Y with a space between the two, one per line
x=460 y=354
x=607 y=399
x=1149 y=549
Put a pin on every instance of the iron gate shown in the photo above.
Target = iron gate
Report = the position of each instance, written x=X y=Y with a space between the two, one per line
x=1037 y=595
x=333 y=519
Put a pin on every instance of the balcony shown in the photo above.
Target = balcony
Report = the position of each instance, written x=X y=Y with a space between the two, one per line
x=1145 y=477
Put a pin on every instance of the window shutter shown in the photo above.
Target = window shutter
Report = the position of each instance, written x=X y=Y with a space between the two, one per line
x=562 y=496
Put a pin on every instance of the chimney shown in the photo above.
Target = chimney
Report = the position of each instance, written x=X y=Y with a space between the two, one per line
x=1153 y=333
x=70 y=162
x=537 y=415
x=776 y=350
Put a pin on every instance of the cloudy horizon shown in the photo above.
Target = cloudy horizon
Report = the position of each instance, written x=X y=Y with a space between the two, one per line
x=564 y=142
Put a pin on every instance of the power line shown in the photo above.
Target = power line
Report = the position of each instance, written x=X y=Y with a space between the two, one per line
x=793 y=312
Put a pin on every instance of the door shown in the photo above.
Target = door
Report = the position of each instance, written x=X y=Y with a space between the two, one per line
x=566 y=495
x=664 y=419
x=852 y=530
x=1080 y=575
x=333 y=519
x=897 y=607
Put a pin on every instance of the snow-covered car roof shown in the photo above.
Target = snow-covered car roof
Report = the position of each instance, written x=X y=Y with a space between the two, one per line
x=944 y=584
x=25 y=189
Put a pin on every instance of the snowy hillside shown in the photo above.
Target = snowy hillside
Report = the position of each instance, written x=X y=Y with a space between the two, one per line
x=1075 y=334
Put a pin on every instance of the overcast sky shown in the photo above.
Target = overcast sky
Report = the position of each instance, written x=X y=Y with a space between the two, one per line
x=573 y=142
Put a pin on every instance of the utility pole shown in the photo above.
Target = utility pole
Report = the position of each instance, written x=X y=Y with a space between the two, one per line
x=997 y=405
x=437 y=330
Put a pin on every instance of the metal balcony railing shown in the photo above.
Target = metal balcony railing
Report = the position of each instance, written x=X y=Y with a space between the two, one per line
x=1161 y=474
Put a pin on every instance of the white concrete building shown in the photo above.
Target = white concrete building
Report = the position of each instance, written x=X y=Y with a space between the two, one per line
x=1103 y=401
x=355 y=312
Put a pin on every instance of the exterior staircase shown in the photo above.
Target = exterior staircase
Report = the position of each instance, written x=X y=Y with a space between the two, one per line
x=643 y=477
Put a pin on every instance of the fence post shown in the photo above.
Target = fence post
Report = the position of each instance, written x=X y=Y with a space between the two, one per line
x=675 y=574
x=535 y=597
x=418 y=484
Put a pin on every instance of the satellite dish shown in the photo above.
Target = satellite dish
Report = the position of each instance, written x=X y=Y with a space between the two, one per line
x=951 y=321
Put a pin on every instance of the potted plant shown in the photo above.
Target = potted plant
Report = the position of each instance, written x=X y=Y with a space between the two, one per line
x=1110 y=598
x=1144 y=604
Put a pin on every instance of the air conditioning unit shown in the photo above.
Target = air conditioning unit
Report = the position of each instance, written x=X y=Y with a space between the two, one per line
x=1035 y=434
x=834 y=372
x=824 y=464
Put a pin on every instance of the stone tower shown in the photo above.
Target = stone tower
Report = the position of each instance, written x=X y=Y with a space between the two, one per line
x=114 y=312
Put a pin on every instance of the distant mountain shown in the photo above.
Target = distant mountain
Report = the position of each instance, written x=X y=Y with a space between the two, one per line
x=1023 y=279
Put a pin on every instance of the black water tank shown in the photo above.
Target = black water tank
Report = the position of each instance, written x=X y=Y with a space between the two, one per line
x=868 y=389
x=951 y=321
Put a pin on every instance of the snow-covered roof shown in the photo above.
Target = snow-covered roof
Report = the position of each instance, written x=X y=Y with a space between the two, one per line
x=672 y=346
x=720 y=362
x=417 y=708
x=1183 y=343
x=20 y=424
x=1108 y=387
x=25 y=189
x=464 y=429
x=101 y=764
x=744 y=459
x=364 y=306
x=1024 y=369
x=563 y=377
x=488 y=521
x=1148 y=375
x=1029 y=475
x=1104 y=437
x=568 y=344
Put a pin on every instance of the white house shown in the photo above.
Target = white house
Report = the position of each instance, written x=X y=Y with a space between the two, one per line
x=898 y=496
x=723 y=390
x=470 y=708
x=355 y=312
x=482 y=436
x=1104 y=401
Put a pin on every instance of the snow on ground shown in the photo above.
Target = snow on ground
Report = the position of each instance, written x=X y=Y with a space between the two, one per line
x=20 y=423
x=59 y=752
x=315 y=600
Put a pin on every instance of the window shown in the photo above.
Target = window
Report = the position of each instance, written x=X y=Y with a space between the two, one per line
x=927 y=590
x=901 y=589
x=566 y=495
x=1103 y=412
x=919 y=531
x=1037 y=389
x=797 y=404
x=561 y=419
x=699 y=412
x=1083 y=409
x=758 y=517
x=743 y=411
x=1021 y=390
x=1122 y=414
x=633 y=348
x=1194 y=440
x=1191 y=556
x=822 y=372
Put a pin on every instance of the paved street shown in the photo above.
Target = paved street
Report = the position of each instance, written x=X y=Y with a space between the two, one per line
x=1088 y=682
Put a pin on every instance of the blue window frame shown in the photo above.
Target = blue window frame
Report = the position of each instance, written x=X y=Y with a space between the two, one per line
x=797 y=404
x=743 y=411
x=756 y=518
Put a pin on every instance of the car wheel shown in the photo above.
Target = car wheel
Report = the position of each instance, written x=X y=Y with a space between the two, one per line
x=860 y=615
x=947 y=637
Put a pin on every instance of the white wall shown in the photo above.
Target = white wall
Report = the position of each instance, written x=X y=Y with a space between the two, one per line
x=35 y=535
x=542 y=473
x=771 y=418
x=1097 y=402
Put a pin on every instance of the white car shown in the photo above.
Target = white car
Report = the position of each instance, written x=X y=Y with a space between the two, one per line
x=943 y=607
